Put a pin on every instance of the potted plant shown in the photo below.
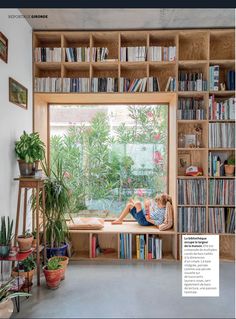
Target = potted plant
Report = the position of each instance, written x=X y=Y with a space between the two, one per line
x=6 y=304
x=26 y=269
x=229 y=166
x=6 y=236
x=53 y=272
x=56 y=208
x=29 y=150
x=34 y=242
x=25 y=241
x=63 y=261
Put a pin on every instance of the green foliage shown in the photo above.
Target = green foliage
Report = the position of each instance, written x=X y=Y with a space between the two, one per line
x=27 y=234
x=231 y=160
x=6 y=293
x=6 y=233
x=30 y=148
x=53 y=264
x=56 y=205
x=26 y=265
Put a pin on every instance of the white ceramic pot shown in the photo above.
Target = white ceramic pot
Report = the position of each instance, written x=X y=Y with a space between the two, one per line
x=6 y=308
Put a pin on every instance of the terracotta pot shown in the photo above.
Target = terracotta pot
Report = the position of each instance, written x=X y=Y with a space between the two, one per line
x=229 y=170
x=53 y=277
x=34 y=243
x=25 y=244
x=27 y=275
x=6 y=308
x=64 y=264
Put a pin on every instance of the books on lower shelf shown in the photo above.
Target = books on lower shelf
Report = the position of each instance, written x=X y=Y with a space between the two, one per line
x=191 y=192
x=104 y=85
x=153 y=84
x=190 y=108
x=222 y=135
x=135 y=85
x=99 y=54
x=81 y=54
x=192 y=219
x=221 y=192
x=126 y=246
x=130 y=54
x=170 y=85
x=158 y=53
x=221 y=220
x=47 y=84
x=76 y=84
x=154 y=247
x=192 y=81
x=221 y=110
x=47 y=54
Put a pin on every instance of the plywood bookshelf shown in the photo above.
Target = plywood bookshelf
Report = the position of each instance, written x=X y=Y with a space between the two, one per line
x=196 y=51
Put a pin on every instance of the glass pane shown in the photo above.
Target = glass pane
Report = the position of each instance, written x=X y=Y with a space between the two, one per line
x=110 y=153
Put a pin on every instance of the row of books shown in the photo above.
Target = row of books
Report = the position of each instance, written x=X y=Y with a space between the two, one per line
x=230 y=80
x=47 y=55
x=133 y=53
x=104 y=85
x=76 y=85
x=190 y=108
x=191 y=192
x=215 y=165
x=192 y=81
x=192 y=219
x=221 y=192
x=143 y=250
x=99 y=54
x=221 y=110
x=77 y=54
x=221 y=135
x=135 y=85
x=214 y=78
x=221 y=220
x=47 y=84
x=158 y=53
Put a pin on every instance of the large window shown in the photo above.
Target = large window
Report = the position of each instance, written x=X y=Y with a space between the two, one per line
x=110 y=153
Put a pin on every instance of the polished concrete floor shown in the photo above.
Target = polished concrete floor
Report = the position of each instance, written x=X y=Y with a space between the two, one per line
x=147 y=290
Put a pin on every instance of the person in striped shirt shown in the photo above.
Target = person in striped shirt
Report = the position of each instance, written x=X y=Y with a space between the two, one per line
x=158 y=212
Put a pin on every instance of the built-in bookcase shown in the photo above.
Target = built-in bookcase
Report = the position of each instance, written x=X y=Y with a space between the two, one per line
x=151 y=69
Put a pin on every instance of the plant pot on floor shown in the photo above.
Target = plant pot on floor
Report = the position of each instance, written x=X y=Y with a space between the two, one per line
x=229 y=170
x=24 y=243
x=6 y=308
x=27 y=169
x=57 y=251
x=53 y=277
x=63 y=261
x=28 y=277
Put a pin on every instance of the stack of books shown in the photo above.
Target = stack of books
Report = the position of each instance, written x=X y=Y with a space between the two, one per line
x=131 y=54
x=221 y=220
x=192 y=81
x=47 y=55
x=126 y=246
x=47 y=84
x=192 y=219
x=191 y=108
x=221 y=192
x=221 y=110
x=135 y=85
x=221 y=135
x=104 y=85
x=99 y=54
x=158 y=53
x=154 y=247
x=76 y=85
x=77 y=54
x=191 y=192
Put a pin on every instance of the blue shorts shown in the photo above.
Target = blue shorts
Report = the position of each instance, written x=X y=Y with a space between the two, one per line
x=140 y=217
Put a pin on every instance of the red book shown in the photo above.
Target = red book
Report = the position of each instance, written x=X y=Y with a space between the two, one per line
x=93 y=246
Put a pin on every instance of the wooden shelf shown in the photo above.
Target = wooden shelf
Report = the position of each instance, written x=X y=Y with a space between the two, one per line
x=221 y=177
x=192 y=149
x=191 y=177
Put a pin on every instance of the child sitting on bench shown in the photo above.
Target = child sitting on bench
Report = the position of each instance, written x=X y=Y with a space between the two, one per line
x=158 y=212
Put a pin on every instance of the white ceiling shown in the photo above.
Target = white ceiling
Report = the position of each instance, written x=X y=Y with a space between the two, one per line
x=117 y=19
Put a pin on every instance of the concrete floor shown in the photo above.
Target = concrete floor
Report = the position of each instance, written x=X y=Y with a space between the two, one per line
x=147 y=290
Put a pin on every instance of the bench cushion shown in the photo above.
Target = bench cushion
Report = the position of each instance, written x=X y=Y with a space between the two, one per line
x=86 y=223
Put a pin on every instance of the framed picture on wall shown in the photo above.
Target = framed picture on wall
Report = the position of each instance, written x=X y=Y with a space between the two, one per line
x=3 y=47
x=18 y=94
x=190 y=140
x=184 y=161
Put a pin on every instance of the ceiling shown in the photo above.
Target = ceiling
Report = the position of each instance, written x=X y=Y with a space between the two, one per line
x=117 y=19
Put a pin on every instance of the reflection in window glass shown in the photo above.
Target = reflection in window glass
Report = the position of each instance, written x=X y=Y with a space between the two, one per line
x=110 y=153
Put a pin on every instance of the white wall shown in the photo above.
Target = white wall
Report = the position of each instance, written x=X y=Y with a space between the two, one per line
x=13 y=119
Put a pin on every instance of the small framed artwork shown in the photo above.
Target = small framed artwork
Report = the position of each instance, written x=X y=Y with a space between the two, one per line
x=3 y=47
x=184 y=161
x=190 y=140
x=18 y=94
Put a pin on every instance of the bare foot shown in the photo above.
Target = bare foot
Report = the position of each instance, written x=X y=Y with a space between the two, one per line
x=117 y=222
